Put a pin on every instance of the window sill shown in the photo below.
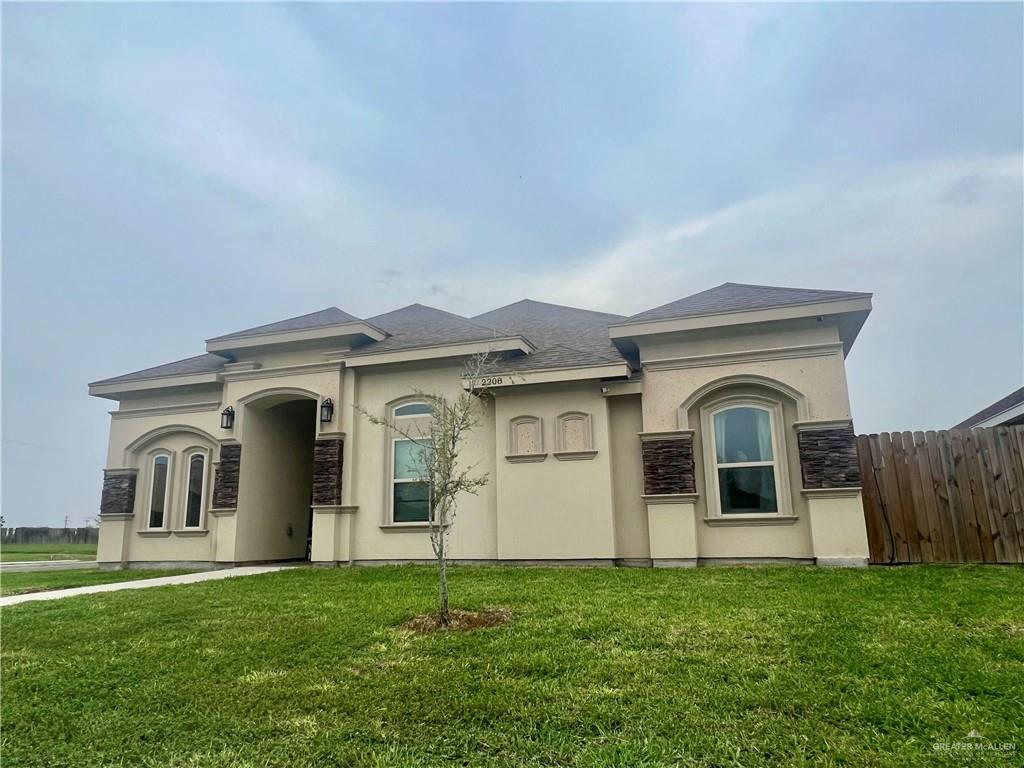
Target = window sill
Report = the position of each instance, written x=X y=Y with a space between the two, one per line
x=191 y=532
x=405 y=527
x=737 y=520
x=525 y=458
x=154 y=534
x=574 y=455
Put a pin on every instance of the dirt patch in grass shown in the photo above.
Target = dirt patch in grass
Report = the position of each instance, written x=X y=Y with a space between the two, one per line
x=461 y=621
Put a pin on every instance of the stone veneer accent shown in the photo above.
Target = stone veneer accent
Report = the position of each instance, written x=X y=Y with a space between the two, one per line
x=668 y=465
x=828 y=457
x=225 y=482
x=118 y=497
x=328 y=455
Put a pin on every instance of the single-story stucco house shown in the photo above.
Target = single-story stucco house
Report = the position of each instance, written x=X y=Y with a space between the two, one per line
x=715 y=428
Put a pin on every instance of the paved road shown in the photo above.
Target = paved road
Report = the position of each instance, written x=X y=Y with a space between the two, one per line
x=186 y=578
x=20 y=566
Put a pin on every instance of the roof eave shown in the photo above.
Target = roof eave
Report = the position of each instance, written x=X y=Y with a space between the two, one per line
x=336 y=330
x=109 y=389
x=439 y=351
x=859 y=304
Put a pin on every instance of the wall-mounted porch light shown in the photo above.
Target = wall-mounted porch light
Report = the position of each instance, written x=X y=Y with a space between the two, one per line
x=326 y=410
x=227 y=418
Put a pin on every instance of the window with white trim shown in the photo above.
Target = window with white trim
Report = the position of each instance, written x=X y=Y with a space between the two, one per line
x=745 y=459
x=195 y=489
x=159 y=490
x=410 y=485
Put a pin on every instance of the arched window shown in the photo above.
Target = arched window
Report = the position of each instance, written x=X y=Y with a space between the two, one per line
x=411 y=410
x=159 y=490
x=195 y=489
x=745 y=457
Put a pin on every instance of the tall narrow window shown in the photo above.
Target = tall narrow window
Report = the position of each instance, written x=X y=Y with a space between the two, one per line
x=158 y=491
x=195 y=490
x=409 y=485
x=745 y=461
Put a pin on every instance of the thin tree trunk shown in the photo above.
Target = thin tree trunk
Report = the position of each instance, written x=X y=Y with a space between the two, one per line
x=442 y=560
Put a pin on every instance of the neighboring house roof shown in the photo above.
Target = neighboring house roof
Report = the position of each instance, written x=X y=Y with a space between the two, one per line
x=325 y=317
x=206 y=363
x=738 y=297
x=417 y=326
x=1008 y=410
x=565 y=337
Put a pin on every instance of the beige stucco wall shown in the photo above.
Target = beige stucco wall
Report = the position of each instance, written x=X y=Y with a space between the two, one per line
x=554 y=509
x=625 y=418
x=804 y=356
x=474 y=535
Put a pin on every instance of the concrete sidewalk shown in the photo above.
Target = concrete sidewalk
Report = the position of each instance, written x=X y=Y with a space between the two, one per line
x=22 y=566
x=185 y=578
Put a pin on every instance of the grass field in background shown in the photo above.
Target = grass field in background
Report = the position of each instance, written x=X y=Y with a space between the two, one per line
x=44 y=581
x=597 y=667
x=14 y=552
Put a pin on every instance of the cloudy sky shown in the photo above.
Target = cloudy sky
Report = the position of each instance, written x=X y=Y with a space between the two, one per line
x=174 y=172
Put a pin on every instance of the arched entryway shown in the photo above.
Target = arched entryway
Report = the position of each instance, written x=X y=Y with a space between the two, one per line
x=278 y=430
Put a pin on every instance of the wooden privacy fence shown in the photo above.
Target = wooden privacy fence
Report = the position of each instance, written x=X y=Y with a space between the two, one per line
x=952 y=496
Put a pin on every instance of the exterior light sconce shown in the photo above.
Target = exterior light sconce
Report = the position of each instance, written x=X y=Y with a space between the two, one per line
x=326 y=410
x=227 y=418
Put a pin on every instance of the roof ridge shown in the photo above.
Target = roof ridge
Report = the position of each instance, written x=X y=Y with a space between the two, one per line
x=464 y=319
x=253 y=330
x=783 y=288
x=550 y=304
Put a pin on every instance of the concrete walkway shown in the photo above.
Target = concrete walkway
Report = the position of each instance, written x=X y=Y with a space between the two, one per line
x=22 y=566
x=185 y=578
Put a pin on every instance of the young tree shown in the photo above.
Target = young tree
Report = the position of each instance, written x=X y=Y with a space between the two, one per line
x=437 y=454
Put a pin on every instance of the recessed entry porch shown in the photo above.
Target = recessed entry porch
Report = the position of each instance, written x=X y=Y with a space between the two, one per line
x=275 y=482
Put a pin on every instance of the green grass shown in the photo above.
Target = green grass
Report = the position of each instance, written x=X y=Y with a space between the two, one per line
x=43 y=581
x=13 y=552
x=716 y=667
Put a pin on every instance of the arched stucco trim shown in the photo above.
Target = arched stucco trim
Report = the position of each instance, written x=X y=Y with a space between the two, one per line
x=739 y=380
x=298 y=392
x=136 y=446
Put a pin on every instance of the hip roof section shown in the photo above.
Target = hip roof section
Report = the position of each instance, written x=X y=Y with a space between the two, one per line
x=534 y=335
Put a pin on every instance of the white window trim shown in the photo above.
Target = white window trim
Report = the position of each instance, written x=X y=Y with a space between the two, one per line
x=202 y=493
x=394 y=480
x=710 y=454
x=165 y=523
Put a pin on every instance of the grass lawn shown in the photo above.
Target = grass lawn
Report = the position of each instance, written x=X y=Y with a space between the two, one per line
x=13 y=552
x=43 y=581
x=716 y=667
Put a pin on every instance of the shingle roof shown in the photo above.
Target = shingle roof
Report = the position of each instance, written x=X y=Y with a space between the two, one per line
x=199 y=364
x=564 y=336
x=417 y=326
x=1012 y=399
x=736 y=297
x=324 y=317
